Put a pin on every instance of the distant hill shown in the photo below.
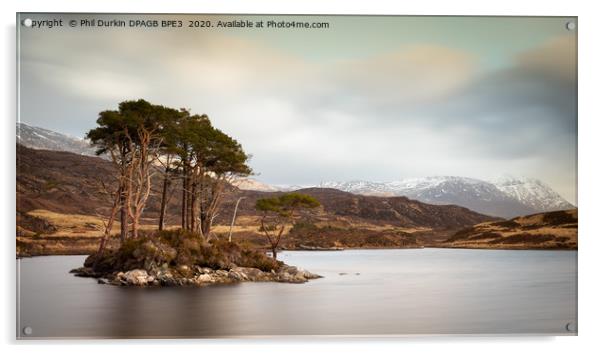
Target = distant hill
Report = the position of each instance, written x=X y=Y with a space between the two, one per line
x=43 y=139
x=509 y=197
x=533 y=193
x=550 y=230
x=60 y=198
x=506 y=197
x=396 y=211
x=64 y=182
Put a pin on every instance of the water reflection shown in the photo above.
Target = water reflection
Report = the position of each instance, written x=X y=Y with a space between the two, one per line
x=418 y=291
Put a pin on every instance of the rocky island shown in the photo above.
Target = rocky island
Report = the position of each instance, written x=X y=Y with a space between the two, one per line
x=179 y=258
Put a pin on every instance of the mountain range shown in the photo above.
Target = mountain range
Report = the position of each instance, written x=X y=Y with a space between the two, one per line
x=43 y=139
x=62 y=202
x=506 y=197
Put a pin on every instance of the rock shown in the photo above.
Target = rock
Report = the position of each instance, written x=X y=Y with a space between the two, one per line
x=204 y=278
x=237 y=276
x=342 y=273
x=299 y=277
x=103 y=281
x=150 y=279
x=309 y=275
x=292 y=270
x=221 y=273
x=85 y=272
x=136 y=277
x=166 y=278
x=250 y=273
x=284 y=277
x=295 y=275
x=201 y=270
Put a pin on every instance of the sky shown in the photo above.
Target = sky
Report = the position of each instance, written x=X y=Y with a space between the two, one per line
x=368 y=98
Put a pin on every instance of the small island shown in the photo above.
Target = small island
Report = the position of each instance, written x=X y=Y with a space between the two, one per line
x=145 y=142
x=179 y=258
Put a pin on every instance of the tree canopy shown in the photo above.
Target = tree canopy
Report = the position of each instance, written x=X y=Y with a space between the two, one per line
x=280 y=211
x=140 y=137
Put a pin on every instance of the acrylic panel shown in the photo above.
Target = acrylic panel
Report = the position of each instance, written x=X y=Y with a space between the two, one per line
x=216 y=176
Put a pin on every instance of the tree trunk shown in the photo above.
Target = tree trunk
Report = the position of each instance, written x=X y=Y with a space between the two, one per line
x=163 y=200
x=205 y=225
x=135 y=228
x=184 y=201
x=193 y=199
x=108 y=228
x=274 y=252
x=123 y=218
x=188 y=203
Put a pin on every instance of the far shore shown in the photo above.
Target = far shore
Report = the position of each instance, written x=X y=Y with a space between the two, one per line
x=344 y=249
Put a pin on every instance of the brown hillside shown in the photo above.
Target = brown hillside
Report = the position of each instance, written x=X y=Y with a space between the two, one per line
x=62 y=195
x=64 y=182
x=550 y=230
x=351 y=208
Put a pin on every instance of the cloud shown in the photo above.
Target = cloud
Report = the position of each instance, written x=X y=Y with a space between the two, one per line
x=414 y=110
x=409 y=75
x=555 y=59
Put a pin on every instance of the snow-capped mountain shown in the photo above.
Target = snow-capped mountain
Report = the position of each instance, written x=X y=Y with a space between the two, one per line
x=532 y=192
x=252 y=184
x=506 y=197
x=511 y=198
x=256 y=185
x=43 y=139
x=361 y=187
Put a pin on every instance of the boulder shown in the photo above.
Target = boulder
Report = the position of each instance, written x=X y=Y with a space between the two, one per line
x=299 y=277
x=85 y=272
x=291 y=270
x=136 y=277
x=204 y=278
x=308 y=275
x=166 y=278
x=284 y=277
x=250 y=273
x=292 y=274
x=237 y=276
x=221 y=273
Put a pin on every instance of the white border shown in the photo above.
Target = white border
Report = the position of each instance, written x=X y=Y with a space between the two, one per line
x=590 y=98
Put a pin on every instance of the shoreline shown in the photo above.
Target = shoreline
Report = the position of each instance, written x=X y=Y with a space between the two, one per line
x=344 y=249
x=197 y=276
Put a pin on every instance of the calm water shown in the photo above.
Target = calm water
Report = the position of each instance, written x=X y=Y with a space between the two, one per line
x=422 y=291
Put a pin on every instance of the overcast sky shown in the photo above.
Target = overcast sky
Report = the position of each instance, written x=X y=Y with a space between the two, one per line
x=370 y=98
